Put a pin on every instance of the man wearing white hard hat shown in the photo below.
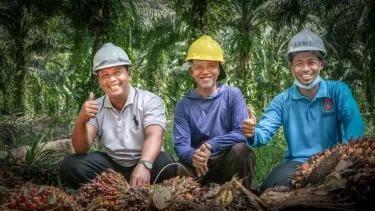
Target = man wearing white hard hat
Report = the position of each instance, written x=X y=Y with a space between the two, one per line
x=316 y=114
x=128 y=122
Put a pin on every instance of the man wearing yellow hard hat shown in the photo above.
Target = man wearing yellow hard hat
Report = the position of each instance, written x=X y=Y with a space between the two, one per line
x=207 y=124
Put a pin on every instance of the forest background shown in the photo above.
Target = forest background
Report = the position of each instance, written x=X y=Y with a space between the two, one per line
x=47 y=49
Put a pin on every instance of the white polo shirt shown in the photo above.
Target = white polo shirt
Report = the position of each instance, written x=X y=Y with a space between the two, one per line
x=122 y=134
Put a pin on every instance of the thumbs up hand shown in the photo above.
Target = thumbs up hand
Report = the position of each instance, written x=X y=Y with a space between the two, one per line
x=248 y=125
x=91 y=97
x=89 y=108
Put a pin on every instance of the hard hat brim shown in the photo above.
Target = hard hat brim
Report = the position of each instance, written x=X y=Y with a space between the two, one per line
x=205 y=58
x=95 y=71
x=302 y=49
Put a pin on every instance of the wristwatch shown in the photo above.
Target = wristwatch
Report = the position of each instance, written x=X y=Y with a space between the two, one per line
x=146 y=163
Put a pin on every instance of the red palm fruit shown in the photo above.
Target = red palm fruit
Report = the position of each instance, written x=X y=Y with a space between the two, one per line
x=368 y=151
x=40 y=206
x=352 y=141
x=305 y=166
x=31 y=206
x=364 y=144
x=43 y=198
x=22 y=199
x=22 y=206
x=12 y=204
x=358 y=151
x=36 y=199
x=300 y=177
x=327 y=152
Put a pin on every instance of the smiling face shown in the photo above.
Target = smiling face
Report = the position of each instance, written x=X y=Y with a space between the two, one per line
x=305 y=67
x=205 y=73
x=115 y=81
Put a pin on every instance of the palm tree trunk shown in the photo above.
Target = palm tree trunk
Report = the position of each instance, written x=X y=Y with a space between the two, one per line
x=20 y=77
x=99 y=22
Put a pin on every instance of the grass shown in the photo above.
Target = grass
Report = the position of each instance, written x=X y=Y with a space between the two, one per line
x=267 y=157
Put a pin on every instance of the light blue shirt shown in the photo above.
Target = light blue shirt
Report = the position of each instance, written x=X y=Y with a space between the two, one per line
x=310 y=126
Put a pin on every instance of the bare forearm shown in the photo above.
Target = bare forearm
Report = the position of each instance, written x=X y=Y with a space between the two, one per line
x=151 y=148
x=80 y=139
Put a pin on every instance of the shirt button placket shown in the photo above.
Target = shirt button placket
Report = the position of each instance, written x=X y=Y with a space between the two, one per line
x=119 y=124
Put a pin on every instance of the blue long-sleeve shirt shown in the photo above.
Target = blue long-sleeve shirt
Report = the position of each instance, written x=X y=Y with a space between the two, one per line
x=310 y=126
x=216 y=119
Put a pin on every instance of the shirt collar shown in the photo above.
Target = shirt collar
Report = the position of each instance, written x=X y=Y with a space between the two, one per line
x=322 y=91
x=218 y=91
x=130 y=100
x=131 y=96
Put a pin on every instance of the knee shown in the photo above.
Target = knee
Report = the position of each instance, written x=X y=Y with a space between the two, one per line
x=163 y=160
x=67 y=163
x=242 y=151
x=71 y=163
x=185 y=170
x=163 y=165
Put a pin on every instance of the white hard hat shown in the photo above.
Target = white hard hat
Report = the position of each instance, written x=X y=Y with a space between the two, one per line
x=109 y=55
x=306 y=40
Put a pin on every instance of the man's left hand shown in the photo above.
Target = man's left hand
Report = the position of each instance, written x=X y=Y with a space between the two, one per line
x=140 y=176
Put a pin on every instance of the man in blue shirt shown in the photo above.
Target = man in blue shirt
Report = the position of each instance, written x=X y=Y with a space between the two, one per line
x=207 y=123
x=316 y=114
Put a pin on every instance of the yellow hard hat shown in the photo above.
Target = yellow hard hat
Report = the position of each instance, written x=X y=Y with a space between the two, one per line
x=205 y=48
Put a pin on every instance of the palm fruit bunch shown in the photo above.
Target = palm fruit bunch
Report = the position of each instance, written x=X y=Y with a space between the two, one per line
x=135 y=198
x=183 y=187
x=176 y=190
x=232 y=196
x=35 y=197
x=103 y=191
x=358 y=156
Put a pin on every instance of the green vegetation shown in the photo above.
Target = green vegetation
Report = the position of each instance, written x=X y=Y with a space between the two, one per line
x=47 y=49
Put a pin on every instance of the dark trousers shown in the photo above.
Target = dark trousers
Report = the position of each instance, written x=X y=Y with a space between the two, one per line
x=77 y=169
x=280 y=175
x=238 y=161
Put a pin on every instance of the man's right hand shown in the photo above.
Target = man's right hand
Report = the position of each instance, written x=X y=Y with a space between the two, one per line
x=89 y=109
x=248 y=125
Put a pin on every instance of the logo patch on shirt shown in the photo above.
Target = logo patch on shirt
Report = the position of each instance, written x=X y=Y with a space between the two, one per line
x=327 y=104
